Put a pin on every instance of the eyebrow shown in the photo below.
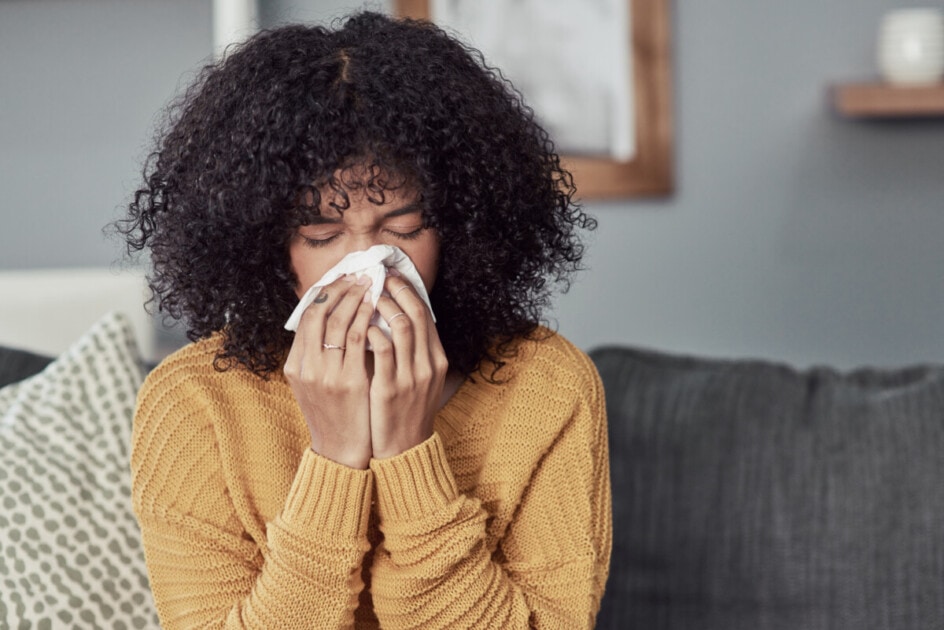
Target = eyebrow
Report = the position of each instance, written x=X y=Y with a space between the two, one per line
x=410 y=208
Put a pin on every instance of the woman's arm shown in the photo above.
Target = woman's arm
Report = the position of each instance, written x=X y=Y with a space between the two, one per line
x=433 y=569
x=205 y=570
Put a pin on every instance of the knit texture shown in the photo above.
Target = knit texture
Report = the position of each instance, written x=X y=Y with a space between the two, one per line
x=502 y=519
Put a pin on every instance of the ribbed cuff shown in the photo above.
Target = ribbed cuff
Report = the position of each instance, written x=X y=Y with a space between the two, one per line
x=328 y=497
x=414 y=483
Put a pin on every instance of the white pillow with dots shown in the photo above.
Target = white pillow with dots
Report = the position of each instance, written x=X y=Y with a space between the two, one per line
x=70 y=551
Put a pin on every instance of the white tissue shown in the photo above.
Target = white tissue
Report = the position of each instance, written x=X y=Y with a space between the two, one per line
x=372 y=263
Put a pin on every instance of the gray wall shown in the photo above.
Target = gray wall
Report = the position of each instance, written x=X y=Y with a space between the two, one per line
x=81 y=82
x=793 y=234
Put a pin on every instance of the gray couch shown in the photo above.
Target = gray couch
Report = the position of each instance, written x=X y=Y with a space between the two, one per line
x=752 y=496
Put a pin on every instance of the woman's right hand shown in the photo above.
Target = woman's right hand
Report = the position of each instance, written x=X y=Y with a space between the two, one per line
x=332 y=385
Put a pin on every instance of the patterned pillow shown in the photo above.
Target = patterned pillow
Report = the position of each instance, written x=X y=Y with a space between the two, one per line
x=70 y=554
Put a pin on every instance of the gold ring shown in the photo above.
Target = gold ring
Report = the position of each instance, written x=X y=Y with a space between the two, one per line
x=401 y=313
x=331 y=346
x=405 y=286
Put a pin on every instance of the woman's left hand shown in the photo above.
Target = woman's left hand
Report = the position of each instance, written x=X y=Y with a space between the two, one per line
x=409 y=372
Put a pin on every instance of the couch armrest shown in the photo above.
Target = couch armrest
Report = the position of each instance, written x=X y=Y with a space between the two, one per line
x=16 y=365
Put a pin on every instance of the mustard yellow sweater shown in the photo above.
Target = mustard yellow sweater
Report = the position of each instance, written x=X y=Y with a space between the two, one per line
x=501 y=519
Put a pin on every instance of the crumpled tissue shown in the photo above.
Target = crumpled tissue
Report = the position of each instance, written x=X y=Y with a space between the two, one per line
x=373 y=263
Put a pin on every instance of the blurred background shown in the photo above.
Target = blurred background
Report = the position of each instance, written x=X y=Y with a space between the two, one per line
x=793 y=233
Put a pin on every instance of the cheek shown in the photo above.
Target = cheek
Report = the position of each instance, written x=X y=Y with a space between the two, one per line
x=309 y=266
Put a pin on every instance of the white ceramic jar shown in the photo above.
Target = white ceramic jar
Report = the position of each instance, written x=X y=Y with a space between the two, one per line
x=911 y=46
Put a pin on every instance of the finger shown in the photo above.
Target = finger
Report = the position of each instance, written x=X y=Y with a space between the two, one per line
x=307 y=349
x=429 y=360
x=395 y=285
x=401 y=329
x=312 y=325
x=432 y=338
x=356 y=341
x=408 y=301
x=320 y=359
x=384 y=362
x=339 y=320
x=437 y=352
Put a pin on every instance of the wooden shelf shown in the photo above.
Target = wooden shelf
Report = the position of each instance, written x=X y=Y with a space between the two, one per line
x=881 y=100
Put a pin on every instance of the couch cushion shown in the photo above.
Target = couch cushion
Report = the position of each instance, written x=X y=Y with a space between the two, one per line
x=70 y=554
x=749 y=495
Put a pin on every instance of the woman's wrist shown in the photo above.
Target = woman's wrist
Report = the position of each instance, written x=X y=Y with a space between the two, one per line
x=357 y=461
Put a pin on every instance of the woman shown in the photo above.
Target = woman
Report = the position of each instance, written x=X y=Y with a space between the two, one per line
x=453 y=475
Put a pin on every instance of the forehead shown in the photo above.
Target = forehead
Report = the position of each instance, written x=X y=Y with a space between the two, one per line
x=361 y=210
x=362 y=199
x=363 y=205
x=364 y=187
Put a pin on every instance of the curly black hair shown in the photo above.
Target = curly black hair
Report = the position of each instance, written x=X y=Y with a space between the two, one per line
x=286 y=111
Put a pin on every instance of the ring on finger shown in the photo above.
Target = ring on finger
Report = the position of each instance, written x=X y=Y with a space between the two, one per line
x=331 y=346
x=400 y=314
x=397 y=292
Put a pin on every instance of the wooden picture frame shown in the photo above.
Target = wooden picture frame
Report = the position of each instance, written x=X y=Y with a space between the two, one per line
x=650 y=172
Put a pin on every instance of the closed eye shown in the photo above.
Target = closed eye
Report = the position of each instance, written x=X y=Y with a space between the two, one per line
x=407 y=236
x=319 y=242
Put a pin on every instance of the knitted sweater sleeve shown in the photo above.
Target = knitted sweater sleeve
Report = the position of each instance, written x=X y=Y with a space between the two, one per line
x=204 y=571
x=433 y=569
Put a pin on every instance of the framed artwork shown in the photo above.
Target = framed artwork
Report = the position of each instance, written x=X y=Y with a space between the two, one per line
x=596 y=73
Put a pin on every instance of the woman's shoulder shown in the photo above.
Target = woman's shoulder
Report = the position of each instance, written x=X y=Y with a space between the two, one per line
x=548 y=359
x=194 y=358
x=193 y=368
x=187 y=392
x=546 y=385
x=549 y=349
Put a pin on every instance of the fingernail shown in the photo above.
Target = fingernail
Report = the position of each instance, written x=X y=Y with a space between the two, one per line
x=348 y=277
x=367 y=296
x=363 y=280
x=393 y=272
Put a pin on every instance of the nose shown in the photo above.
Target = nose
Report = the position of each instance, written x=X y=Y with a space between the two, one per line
x=363 y=241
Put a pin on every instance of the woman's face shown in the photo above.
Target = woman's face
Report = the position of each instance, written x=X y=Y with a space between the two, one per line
x=317 y=247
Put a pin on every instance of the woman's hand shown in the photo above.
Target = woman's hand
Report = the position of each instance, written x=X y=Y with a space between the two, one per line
x=327 y=372
x=409 y=372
